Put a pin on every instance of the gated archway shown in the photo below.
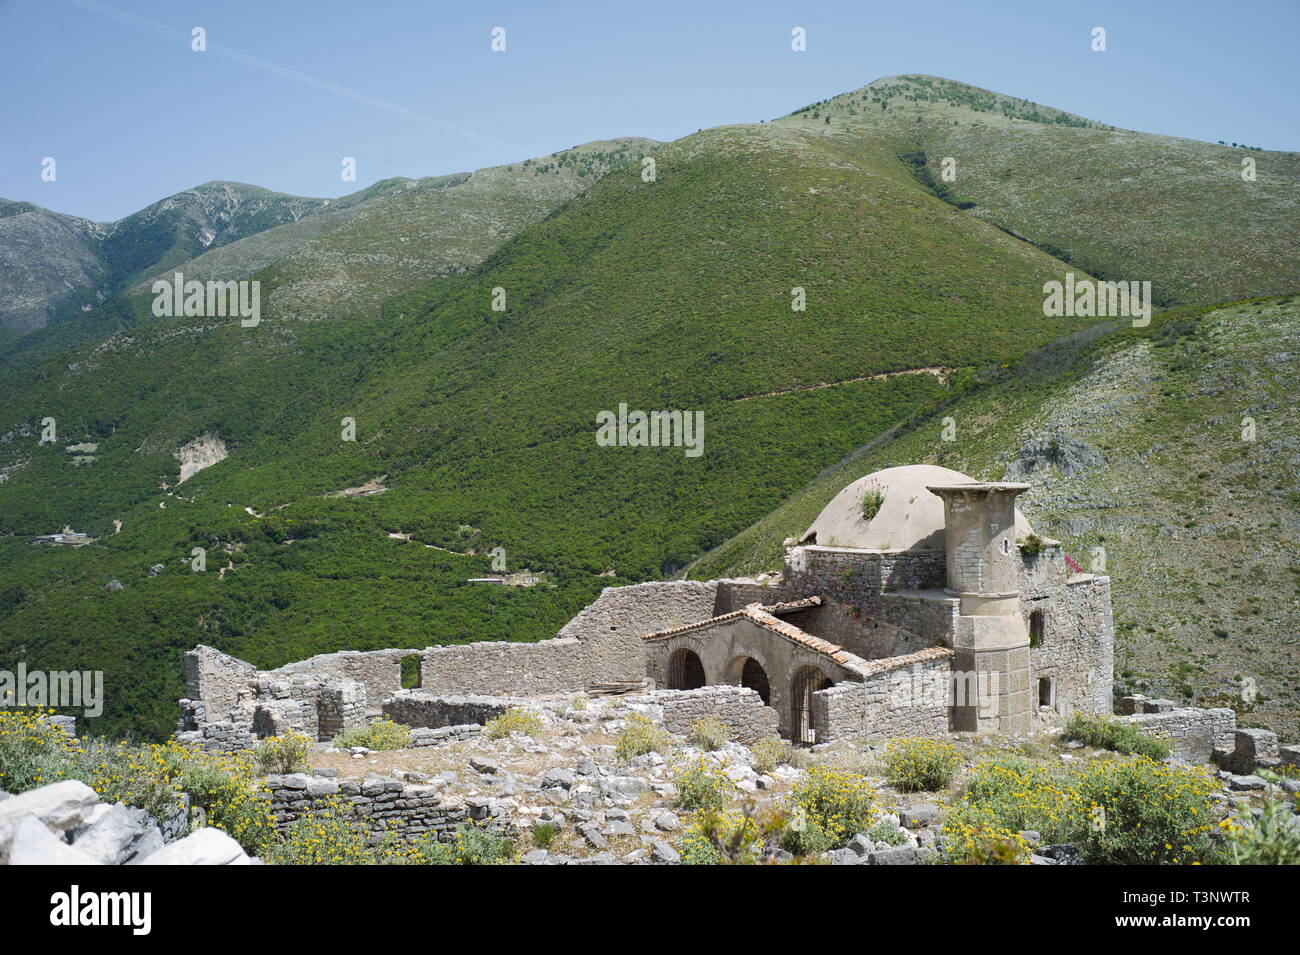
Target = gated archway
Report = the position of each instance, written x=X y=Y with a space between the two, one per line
x=685 y=671
x=807 y=681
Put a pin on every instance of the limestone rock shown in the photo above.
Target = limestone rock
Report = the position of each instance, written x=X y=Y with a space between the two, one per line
x=206 y=846
x=61 y=806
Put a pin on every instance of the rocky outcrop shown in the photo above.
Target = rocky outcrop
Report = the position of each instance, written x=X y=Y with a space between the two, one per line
x=64 y=823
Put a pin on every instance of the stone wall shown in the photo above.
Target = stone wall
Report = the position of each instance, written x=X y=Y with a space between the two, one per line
x=230 y=703
x=501 y=668
x=859 y=577
x=610 y=627
x=421 y=736
x=1077 y=650
x=418 y=708
x=385 y=805
x=1193 y=734
x=901 y=696
x=737 y=706
x=378 y=672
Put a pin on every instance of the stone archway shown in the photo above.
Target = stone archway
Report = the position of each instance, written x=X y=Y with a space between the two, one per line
x=685 y=671
x=807 y=680
x=754 y=676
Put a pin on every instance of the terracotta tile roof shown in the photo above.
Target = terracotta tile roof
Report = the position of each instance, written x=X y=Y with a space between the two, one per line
x=885 y=664
x=758 y=614
x=763 y=617
x=792 y=633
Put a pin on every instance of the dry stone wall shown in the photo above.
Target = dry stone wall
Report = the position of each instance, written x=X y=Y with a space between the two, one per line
x=385 y=806
x=418 y=708
x=1192 y=734
x=739 y=707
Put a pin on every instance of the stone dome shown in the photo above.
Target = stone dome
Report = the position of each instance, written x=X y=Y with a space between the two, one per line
x=910 y=517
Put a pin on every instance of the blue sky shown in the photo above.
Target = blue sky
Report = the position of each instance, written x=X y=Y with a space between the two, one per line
x=131 y=114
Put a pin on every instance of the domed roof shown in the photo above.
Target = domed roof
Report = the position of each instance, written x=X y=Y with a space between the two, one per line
x=910 y=516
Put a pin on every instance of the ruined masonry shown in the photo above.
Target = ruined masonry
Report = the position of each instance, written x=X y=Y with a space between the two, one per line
x=911 y=607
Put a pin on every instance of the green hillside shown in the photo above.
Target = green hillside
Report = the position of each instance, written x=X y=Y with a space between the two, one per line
x=1115 y=203
x=1134 y=445
x=480 y=425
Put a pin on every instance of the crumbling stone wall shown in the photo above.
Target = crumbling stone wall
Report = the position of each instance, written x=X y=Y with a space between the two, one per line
x=423 y=709
x=378 y=672
x=611 y=627
x=739 y=707
x=385 y=806
x=496 y=668
x=1192 y=733
x=901 y=696
x=859 y=577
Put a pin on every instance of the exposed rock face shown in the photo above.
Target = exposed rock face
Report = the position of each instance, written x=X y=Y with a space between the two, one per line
x=1066 y=453
x=44 y=258
x=203 y=452
x=64 y=823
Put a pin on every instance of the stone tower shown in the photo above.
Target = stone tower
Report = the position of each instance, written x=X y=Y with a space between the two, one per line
x=991 y=641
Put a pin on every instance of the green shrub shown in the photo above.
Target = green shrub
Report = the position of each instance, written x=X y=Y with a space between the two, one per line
x=709 y=734
x=1271 y=839
x=223 y=795
x=1131 y=811
x=718 y=837
x=33 y=752
x=770 y=753
x=702 y=785
x=827 y=808
x=470 y=845
x=328 y=834
x=283 y=754
x=640 y=735
x=1007 y=793
x=1103 y=733
x=1147 y=813
x=543 y=834
x=379 y=735
x=887 y=832
x=1032 y=545
x=920 y=765
x=513 y=720
x=872 y=501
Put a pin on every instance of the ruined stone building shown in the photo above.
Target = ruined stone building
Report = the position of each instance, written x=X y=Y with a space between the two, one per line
x=919 y=603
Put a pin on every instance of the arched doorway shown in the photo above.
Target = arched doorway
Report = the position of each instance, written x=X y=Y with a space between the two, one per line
x=754 y=676
x=685 y=671
x=807 y=681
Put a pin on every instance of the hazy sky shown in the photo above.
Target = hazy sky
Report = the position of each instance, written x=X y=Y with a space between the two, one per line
x=131 y=113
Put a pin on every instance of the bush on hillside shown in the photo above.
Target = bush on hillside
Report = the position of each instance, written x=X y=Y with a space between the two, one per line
x=379 y=735
x=1103 y=733
x=920 y=765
